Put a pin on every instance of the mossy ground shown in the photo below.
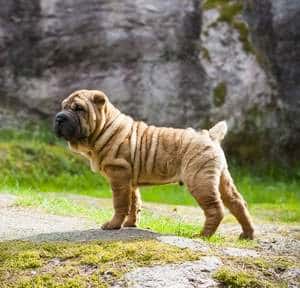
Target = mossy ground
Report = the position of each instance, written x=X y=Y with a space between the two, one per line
x=85 y=264
x=251 y=272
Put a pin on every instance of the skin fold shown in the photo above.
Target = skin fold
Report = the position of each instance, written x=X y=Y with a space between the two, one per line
x=131 y=154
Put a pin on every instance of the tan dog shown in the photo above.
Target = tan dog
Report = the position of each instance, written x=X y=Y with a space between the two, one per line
x=132 y=154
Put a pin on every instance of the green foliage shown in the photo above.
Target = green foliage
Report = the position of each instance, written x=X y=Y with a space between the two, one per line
x=44 y=167
x=85 y=264
x=219 y=94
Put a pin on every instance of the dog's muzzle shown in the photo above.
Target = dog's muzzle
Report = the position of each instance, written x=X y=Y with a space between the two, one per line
x=67 y=125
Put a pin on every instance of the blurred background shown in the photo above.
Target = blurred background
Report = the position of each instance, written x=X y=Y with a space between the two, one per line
x=181 y=63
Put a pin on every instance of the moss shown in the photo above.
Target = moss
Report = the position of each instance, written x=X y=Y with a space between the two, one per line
x=229 y=11
x=213 y=4
x=254 y=272
x=240 y=279
x=243 y=30
x=24 y=260
x=275 y=263
x=205 y=54
x=219 y=94
x=88 y=264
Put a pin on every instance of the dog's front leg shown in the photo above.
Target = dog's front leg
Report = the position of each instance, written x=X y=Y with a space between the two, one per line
x=135 y=209
x=120 y=180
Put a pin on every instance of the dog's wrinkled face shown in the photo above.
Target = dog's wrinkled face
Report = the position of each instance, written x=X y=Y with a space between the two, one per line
x=80 y=112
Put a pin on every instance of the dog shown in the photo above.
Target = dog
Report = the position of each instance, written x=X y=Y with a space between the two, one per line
x=132 y=154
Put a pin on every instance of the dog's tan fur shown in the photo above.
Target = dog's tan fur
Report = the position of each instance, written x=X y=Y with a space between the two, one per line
x=132 y=154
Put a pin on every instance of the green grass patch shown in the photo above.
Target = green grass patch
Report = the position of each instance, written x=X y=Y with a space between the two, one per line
x=84 y=264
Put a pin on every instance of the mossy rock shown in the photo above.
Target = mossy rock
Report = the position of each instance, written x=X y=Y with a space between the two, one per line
x=85 y=264
x=240 y=279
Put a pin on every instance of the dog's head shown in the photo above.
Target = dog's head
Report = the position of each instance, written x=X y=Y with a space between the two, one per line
x=82 y=113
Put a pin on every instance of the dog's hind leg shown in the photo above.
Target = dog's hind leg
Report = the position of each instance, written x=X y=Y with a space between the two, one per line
x=204 y=186
x=135 y=209
x=235 y=203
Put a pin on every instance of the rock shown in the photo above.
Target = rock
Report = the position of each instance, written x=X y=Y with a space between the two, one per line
x=36 y=225
x=292 y=276
x=166 y=62
x=237 y=252
x=275 y=27
x=72 y=234
x=196 y=245
x=189 y=274
x=281 y=245
x=142 y=54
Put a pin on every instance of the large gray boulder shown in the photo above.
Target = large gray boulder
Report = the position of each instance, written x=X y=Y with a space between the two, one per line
x=275 y=27
x=168 y=62
x=143 y=54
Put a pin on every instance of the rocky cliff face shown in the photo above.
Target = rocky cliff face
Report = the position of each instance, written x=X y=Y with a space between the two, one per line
x=143 y=54
x=275 y=27
x=181 y=62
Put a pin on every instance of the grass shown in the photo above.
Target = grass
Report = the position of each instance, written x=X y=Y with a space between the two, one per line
x=84 y=264
x=60 y=205
x=63 y=206
x=33 y=160
x=154 y=221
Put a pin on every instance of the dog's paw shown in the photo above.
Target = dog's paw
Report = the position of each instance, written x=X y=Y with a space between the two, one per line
x=129 y=224
x=246 y=236
x=111 y=225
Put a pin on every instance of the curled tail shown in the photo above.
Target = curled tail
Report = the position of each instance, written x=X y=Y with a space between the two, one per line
x=218 y=132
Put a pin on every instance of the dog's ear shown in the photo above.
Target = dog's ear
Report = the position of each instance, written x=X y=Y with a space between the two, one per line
x=99 y=98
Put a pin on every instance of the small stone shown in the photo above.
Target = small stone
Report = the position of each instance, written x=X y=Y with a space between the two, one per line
x=186 y=275
x=237 y=252
x=181 y=242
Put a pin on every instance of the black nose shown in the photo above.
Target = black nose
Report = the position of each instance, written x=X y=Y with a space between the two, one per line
x=60 y=117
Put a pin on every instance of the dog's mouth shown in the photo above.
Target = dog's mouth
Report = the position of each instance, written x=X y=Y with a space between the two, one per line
x=67 y=126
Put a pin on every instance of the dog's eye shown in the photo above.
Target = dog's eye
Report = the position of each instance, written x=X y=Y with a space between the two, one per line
x=78 y=108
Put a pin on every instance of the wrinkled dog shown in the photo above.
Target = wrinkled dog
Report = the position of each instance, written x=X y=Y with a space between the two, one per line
x=131 y=154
